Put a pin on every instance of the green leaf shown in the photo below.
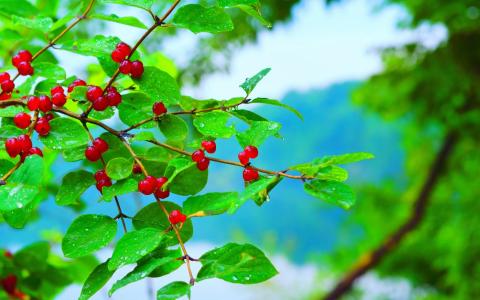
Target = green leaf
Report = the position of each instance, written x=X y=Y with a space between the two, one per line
x=254 y=11
x=95 y=281
x=247 y=116
x=119 y=188
x=258 y=132
x=143 y=136
x=10 y=111
x=134 y=245
x=119 y=168
x=42 y=24
x=184 y=177
x=79 y=93
x=278 y=103
x=210 y=204
x=97 y=46
x=332 y=192
x=251 y=191
x=18 y=7
x=346 y=158
x=19 y=194
x=173 y=291
x=33 y=258
x=214 y=124
x=163 y=253
x=159 y=85
x=74 y=184
x=130 y=21
x=65 y=133
x=198 y=18
x=233 y=3
x=173 y=127
x=49 y=70
x=88 y=234
x=152 y=216
x=145 y=4
x=236 y=263
x=136 y=107
x=140 y=272
x=74 y=154
x=251 y=83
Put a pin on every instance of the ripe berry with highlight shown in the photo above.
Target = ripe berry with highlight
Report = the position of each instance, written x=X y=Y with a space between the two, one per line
x=22 y=120
x=44 y=104
x=198 y=155
x=24 y=142
x=25 y=68
x=136 y=69
x=33 y=103
x=13 y=147
x=148 y=185
x=59 y=99
x=42 y=127
x=251 y=151
x=203 y=163
x=94 y=92
x=209 y=146
x=56 y=89
x=125 y=66
x=136 y=169
x=176 y=217
x=92 y=154
x=250 y=174
x=8 y=86
x=100 y=104
x=100 y=145
x=162 y=194
x=159 y=108
x=243 y=158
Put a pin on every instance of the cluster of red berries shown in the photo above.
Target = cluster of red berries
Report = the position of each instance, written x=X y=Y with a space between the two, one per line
x=102 y=179
x=23 y=62
x=42 y=103
x=101 y=100
x=176 y=217
x=151 y=185
x=199 y=157
x=95 y=151
x=120 y=55
x=159 y=108
x=9 y=283
x=250 y=152
x=21 y=145
x=7 y=85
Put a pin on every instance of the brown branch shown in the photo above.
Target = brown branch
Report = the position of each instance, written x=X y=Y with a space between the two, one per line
x=371 y=259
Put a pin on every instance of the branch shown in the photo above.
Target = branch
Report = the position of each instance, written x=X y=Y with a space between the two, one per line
x=371 y=259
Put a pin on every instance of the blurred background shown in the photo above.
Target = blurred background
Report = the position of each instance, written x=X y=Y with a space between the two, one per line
x=397 y=78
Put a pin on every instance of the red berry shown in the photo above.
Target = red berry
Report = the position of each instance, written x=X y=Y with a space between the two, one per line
x=100 y=145
x=4 y=76
x=148 y=185
x=176 y=217
x=42 y=127
x=45 y=104
x=124 y=48
x=125 y=66
x=136 y=169
x=198 y=155
x=25 y=68
x=8 y=86
x=25 y=142
x=5 y=96
x=25 y=55
x=159 y=108
x=118 y=56
x=9 y=284
x=22 y=120
x=49 y=117
x=209 y=146
x=103 y=182
x=59 y=99
x=250 y=174
x=35 y=151
x=113 y=98
x=13 y=147
x=8 y=254
x=100 y=104
x=57 y=89
x=243 y=158
x=33 y=103
x=16 y=59
x=162 y=194
x=75 y=83
x=251 y=151
x=136 y=69
x=101 y=174
x=202 y=164
x=94 y=92
x=92 y=154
